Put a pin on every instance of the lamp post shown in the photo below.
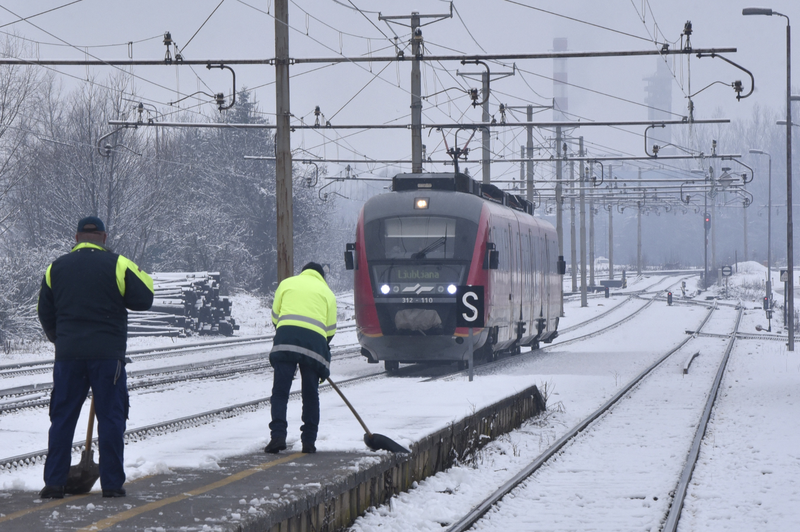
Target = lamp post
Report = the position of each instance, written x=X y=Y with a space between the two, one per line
x=789 y=225
x=769 y=226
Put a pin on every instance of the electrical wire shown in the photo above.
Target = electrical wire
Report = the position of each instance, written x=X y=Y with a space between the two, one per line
x=298 y=6
x=113 y=45
x=41 y=13
x=370 y=21
x=466 y=28
x=201 y=26
x=664 y=58
x=84 y=51
x=520 y=4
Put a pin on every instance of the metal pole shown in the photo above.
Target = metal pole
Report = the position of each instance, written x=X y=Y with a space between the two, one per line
x=471 y=354
x=283 y=152
x=639 y=232
x=530 y=156
x=769 y=225
x=485 y=133
x=705 y=238
x=769 y=235
x=573 y=245
x=610 y=231
x=789 y=224
x=584 y=301
x=591 y=238
x=416 y=96
x=744 y=208
x=714 y=267
x=559 y=213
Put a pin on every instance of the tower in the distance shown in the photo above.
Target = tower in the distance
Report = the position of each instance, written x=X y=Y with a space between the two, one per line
x=659 y=100
x=560 y=99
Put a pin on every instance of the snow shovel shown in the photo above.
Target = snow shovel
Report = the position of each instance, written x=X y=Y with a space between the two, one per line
x=82 y=476
x=376 y=442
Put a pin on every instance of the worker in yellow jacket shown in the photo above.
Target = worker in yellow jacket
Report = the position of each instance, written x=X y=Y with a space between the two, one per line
x=304 y=316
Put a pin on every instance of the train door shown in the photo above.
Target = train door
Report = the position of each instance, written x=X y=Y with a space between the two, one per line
x=513 y=279
x=546 y=276
x=530 y=293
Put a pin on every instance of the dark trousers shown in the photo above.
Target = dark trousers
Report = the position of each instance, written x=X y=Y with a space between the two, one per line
x=281 y=385
x=71 y=382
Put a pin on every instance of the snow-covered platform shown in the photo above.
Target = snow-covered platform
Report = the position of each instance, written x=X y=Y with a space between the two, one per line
x=285 y=492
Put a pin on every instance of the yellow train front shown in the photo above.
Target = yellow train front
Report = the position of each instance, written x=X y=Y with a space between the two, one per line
x=432 y=233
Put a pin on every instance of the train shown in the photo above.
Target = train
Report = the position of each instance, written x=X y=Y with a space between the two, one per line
x=414 y=246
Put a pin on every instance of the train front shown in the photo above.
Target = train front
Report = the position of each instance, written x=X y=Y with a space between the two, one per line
x=413 y=248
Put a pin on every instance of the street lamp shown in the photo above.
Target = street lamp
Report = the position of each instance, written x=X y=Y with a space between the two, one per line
x=789 y=225
x=769 y=227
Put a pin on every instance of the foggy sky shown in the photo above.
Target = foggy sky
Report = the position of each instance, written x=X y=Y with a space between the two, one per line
x=242 y=29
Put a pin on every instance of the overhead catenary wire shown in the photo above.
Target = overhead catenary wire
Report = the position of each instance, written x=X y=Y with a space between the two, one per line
x=201 y=25
x=41 y=13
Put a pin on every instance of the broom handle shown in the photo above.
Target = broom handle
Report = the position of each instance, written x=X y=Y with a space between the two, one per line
x=90 y=429
x=353 y=410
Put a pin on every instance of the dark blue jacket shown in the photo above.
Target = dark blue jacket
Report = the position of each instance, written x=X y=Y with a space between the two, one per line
x=83 y=302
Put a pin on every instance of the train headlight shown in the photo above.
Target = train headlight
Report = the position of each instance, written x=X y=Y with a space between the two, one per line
x=451 y=289
x=385 y=289
x=421 y=203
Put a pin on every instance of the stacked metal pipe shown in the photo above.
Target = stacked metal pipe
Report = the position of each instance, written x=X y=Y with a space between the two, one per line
x=185 y=304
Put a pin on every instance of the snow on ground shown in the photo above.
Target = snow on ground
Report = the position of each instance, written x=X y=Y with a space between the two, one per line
x=746 y=478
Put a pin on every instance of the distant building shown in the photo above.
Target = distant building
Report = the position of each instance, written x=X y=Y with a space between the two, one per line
x=659 y=102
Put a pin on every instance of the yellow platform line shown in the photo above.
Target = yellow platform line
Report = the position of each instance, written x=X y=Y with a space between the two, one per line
x=53 y=503
x=133 y=512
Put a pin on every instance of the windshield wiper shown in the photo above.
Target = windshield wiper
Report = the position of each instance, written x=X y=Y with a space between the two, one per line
x=439 y=242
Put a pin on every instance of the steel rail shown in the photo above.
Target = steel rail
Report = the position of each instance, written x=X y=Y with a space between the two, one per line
x=480 y=510
x=208 y=369
x=173 y=425
x=674 y=515
x=39 y=366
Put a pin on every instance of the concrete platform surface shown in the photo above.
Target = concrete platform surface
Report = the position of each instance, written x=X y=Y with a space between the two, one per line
x=288 y=492
x=244 y=490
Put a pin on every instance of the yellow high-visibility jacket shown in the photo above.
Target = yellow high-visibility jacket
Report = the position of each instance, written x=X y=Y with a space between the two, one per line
x=304 y=315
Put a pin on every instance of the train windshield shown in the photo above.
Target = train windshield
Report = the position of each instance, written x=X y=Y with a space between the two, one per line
x=419 y=237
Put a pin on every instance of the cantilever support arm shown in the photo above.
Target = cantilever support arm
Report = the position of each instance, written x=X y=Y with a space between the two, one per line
x=105 y=151
x=740 y=67
x=655 y=148
x=233 y=92
x=744 y=175
x=478 y=62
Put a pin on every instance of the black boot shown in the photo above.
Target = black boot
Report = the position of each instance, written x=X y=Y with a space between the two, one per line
x=275 y=445
x=114 y=493
x=309 y=448
x=52 y=492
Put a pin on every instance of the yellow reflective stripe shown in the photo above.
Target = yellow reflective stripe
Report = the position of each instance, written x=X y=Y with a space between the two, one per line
x=84 y=245
x=124 y=264
x=47 y=277
x=303 y=351
x=298 y=317
x=121 y=267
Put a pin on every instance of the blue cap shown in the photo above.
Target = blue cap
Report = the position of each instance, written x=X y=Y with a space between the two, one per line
x=316 y=267
x=91 y=224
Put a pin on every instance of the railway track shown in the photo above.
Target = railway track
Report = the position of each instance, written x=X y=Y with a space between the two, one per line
x=174 y=425
x=37 y=395
x=137 y=355
x=596 y=431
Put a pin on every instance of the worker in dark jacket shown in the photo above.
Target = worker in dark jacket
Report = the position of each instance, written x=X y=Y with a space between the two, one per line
x=304 y=315
x=82 y=308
